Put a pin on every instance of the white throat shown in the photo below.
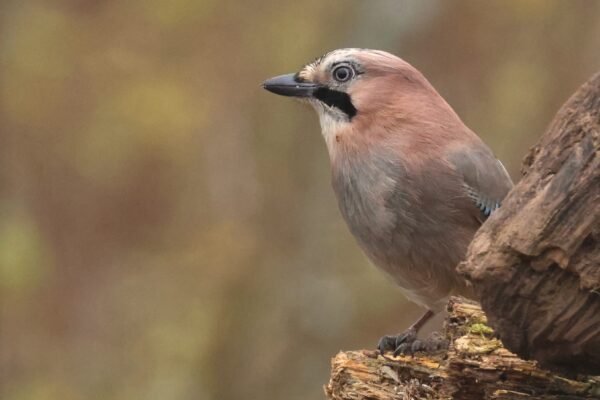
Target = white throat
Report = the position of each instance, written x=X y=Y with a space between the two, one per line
x=332 y=121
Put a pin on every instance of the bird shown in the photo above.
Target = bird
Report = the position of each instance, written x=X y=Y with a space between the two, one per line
x=413 y=183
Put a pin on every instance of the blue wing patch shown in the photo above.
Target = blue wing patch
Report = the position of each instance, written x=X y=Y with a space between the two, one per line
x=486 y=206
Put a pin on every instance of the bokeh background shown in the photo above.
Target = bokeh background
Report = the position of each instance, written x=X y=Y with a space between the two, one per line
x=167 y=229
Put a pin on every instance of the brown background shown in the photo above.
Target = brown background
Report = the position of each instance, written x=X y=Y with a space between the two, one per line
x=167 y=229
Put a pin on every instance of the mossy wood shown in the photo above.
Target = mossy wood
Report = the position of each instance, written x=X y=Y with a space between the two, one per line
x=536 y=262
x=536 y=266
x=475 y=367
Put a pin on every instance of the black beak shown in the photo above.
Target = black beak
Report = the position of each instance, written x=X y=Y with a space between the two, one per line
x=287 y=85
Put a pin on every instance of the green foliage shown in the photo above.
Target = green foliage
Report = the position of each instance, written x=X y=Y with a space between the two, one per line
x=23 y=259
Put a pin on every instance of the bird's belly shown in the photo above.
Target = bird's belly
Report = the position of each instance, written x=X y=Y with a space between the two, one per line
x=421 y=261
x=415 y=239
x=424 y=275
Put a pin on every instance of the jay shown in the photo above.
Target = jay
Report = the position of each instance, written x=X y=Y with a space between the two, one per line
x=412 y=182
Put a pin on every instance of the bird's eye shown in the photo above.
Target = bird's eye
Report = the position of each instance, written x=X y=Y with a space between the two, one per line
x=343 y=73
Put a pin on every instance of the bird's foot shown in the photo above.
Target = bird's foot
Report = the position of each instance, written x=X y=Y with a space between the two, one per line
x=407 y=343
x=391 y=343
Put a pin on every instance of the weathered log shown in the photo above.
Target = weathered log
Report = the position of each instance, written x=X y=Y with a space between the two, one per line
x=536 y=266
x=536 y=262
x=476 y=367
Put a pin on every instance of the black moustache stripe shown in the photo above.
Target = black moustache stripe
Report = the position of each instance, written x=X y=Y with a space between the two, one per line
x=339 y=100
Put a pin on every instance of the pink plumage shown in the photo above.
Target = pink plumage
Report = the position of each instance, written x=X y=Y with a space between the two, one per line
x=412 y=181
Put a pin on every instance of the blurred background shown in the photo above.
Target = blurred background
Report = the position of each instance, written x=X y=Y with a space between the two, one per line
x=167 y=228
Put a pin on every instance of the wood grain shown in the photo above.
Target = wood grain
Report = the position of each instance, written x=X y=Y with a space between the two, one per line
x=536 y=262
x=476 y=366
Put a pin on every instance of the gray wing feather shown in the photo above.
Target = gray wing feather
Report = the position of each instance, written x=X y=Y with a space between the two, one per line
x=486 y=182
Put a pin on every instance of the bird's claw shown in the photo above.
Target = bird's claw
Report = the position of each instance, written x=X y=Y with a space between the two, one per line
x=407 y=343
x=391 y=343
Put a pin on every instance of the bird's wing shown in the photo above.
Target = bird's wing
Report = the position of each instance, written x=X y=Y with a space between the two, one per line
x=485 y=180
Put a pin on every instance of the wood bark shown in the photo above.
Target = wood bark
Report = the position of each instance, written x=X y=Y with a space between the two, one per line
x=536 y=262
x=476 y=367
x=536 y=267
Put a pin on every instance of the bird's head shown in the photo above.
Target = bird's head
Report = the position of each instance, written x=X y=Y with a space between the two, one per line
x=357 y=88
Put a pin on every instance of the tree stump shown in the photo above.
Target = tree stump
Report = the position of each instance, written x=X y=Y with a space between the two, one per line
x=536 y=262
x=476 y=367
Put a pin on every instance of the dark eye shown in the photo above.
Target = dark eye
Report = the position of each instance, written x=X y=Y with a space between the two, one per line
x=343 y=73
